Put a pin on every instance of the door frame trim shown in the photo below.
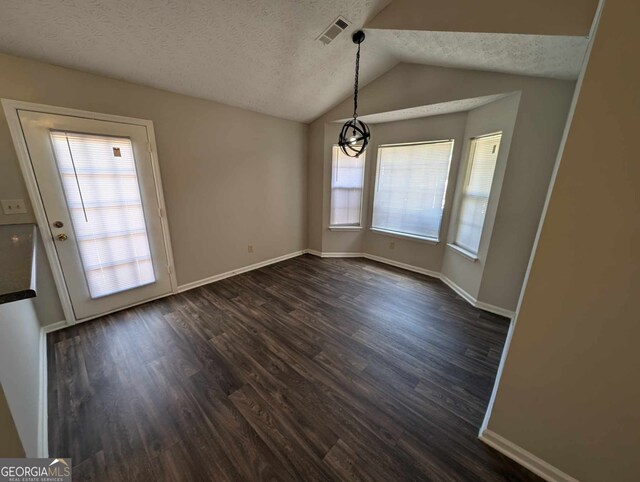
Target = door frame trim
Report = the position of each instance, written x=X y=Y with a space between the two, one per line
x=11 y=108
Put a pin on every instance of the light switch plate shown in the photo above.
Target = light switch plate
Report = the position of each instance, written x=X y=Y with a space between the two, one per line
x=13 y=206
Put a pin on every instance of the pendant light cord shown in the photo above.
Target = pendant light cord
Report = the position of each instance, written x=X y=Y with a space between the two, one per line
x=355 y=85
x=355 y=134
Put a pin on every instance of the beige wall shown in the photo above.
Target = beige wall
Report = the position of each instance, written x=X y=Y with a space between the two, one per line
x=315 y=185
x=569 y=392
x=10 y=445
x=542 y=113
x=499 y=116
x=20 y=369
x=47 y=302
x=231 y=177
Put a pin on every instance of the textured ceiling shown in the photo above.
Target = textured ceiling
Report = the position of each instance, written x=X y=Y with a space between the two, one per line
x=442 y=108
x=538 y=55
x=539 y=17
x=257 y=54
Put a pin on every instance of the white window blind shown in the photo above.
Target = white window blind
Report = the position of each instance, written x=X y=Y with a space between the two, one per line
x=483 y=155
x=347 y=179
x=410 y=188
x=100 y=184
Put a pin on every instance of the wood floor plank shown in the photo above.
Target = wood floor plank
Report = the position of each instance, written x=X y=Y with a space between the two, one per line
x=290 y=406
x=346 y=463
x=279 y=437
x=309 y=369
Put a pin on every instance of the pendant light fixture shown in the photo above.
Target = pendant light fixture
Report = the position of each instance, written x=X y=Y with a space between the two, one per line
x=354 y=135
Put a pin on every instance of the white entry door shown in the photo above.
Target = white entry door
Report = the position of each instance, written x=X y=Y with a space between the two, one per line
x=98 y=188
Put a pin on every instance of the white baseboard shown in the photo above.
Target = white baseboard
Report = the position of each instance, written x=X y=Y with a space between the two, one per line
x=459 y=290
x=416 y=269
x=474 y=302
x=228 y=274
x=525 y=458
x=43 y=432
x=43 y=401
x=334 y=255
x=398 y=264
x=494 y=391
x=59 y=325
x=495 y=309
x=380 y=259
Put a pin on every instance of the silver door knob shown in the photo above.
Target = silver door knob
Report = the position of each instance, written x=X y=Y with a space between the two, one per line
x=62 y=237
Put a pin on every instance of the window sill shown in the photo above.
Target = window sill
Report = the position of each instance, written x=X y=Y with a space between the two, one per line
x=405 y=236
x=345 y=228
x=463 y=252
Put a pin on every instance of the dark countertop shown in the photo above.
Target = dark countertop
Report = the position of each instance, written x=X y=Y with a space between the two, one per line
x=17 y=262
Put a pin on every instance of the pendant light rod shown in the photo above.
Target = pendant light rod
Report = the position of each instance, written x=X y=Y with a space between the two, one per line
x=358 y=38
x=355 y=134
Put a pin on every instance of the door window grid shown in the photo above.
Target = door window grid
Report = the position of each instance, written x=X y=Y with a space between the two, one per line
x=100 y=185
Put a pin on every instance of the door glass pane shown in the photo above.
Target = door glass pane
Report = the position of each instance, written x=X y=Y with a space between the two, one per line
x=101 y=188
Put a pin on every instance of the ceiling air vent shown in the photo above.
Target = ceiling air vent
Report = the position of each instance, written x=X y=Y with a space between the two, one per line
x=333 y=30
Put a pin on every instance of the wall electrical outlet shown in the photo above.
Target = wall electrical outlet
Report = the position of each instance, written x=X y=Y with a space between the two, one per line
x=392 y=244
x=13 y=206
x=250 y=248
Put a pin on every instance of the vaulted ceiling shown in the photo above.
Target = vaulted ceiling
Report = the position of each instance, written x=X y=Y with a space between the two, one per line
x=460 y=105
x=263 y=55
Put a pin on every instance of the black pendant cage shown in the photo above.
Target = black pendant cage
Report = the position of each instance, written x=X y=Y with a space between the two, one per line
x=354 y=137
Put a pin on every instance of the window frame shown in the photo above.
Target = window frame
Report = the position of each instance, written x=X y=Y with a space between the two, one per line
x=468 y=167
x=347 y=227
x=398 y=234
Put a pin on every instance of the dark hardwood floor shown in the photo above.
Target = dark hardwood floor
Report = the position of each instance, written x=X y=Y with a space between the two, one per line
x=310 y=369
